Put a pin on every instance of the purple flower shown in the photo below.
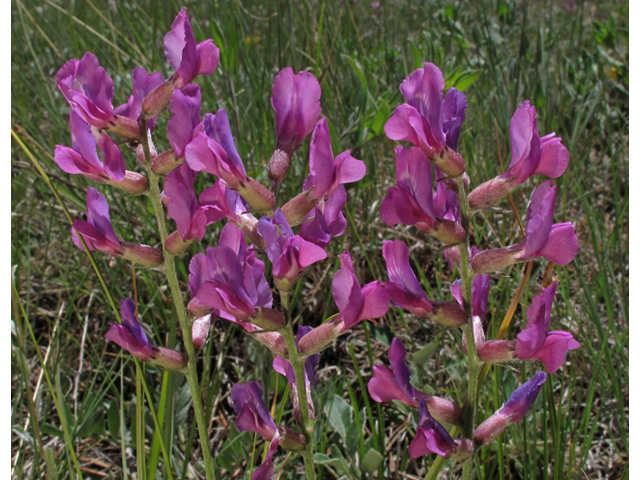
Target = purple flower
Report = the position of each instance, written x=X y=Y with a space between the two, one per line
x=326 y=174
x=234 y=284
x=132 y=338
x=530 y=155
x=185 y=109
x=296 y=101
x=289 y=253
x=555 y=242
x=430 y=121
x=411 y=202
x=479 y=291
x=326 y=219
x=143 y=84
x=536 y=341
x=188 y=59
x=431 y=437
x=83 y=158
x=221 y=202
x=182 y=206
x=89 y=90
x=99 y=235
x=511 y=411
x=355 y=304
x=388 y=385
x=404 y=289
x=97 y=230
x=214 y=152
x=284 y=367
x=253 y=416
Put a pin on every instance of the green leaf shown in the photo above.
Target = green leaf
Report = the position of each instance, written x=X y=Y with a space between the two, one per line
x=50 y=462
x=371 y=460
x=340 y=415
x=358 y=69
x=113 y=419
x=422 y=356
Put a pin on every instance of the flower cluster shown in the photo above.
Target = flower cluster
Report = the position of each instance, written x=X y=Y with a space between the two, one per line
x=431 y=122
x=230 y=280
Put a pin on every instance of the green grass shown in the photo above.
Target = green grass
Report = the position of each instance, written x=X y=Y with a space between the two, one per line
x=572 y=65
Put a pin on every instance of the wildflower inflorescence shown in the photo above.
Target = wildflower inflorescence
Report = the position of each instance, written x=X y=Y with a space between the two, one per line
x=228 y=281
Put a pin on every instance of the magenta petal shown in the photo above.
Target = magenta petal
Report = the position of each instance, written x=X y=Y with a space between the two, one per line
x=266 y=470
x=296 y=101
x=406 y=124
x=562 y=245
x=383 y=387
x=182 y=204
x=308 y=253
x=554 y=157
x=521 y=400
x=185 y=109
x=396 y=255
x=554 y=351
x=375 y=301
x=525 y=142
x=180 y=48
x=453 y=115
x=399 y=367
x=431 y=437
x=208 y=57
x=98 y=215
x=422 y=89
x=84 y=142
x=199 y=155
x=72 y=162
x=413 y=174
x=346 y=289
x=248 y=396
x=539 y=218
x=198 y=273
x=113 y=161
x=217 y=127
x=349 y=169
x=321 y=166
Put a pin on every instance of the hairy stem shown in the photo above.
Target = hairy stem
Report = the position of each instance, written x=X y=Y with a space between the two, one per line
x=183 y=318
x=466 y=274
x=297 y=362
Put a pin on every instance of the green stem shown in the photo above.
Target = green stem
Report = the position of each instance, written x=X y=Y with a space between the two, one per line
x=183 y=318
x=297 y=362
x=466 y=274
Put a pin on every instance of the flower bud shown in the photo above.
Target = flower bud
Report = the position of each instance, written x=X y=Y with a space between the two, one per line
x=279 y=164
x=489 y=261
x=489 y=193
x=200 y=331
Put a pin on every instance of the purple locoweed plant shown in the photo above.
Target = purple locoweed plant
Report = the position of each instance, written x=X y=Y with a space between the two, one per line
x=268 y=243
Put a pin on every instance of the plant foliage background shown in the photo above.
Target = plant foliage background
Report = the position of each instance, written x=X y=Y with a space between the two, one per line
x=572 y=63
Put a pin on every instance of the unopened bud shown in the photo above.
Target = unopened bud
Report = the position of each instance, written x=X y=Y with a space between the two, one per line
x=200 y=331
x=274 y=342
x=279 y=164
x=497 y=351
